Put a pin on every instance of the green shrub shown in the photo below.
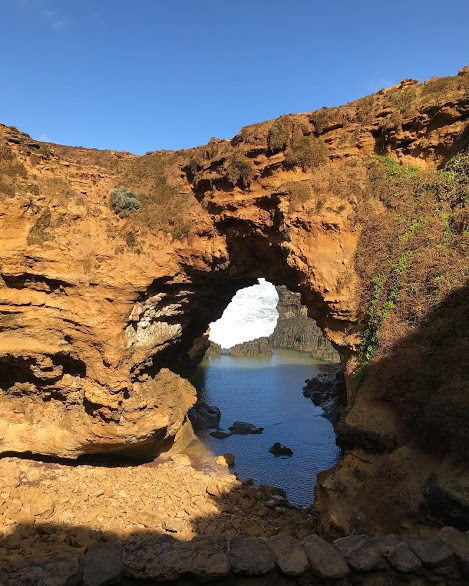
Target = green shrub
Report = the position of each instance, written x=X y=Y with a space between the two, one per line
x=402 y=99
x=306 y=152
x=365 y=108
x=240 y=171
x=278 y=137
x=123 y=202
x=320 y=119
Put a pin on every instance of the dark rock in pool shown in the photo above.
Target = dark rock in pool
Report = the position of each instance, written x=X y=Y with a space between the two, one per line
x=220 y=434
x=278 y=450
x=203 y=416
x=325 y=391
x=243 y=428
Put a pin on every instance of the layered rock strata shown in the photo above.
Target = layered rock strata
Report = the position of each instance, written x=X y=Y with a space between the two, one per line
x=360 y=209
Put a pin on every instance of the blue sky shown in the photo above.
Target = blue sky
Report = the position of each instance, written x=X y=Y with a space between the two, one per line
x=151 y=74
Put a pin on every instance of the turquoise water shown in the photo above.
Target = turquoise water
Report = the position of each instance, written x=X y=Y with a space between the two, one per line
x=267 y=393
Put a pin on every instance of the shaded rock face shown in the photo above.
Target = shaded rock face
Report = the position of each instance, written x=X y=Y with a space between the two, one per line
x=295 y=330
x=98 y=313
x=204 y=416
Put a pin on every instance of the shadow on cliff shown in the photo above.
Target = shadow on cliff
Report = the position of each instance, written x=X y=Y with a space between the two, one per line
x=425 y=377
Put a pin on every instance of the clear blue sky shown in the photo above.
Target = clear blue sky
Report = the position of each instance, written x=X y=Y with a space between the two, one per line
x=147 y=74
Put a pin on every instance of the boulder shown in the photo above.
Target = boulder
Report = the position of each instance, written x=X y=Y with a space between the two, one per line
x=250 y=556
x=459 y=544
x=289 y=555
x=56 y=569
x=204 y=416
x=102 y=563
x=326 y=561
x=278 y=450
x=165 y=559
x=432 y=552
x=397 y=554
x=360 y=553
x=226 y=460
x=244 y=428
x=154 y=558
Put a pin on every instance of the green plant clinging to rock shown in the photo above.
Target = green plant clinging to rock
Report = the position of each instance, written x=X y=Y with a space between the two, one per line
x=240 y=171
x=306 y=152
x=429 y=222
x=278 y=137
x=320 y=119
x=123 y=202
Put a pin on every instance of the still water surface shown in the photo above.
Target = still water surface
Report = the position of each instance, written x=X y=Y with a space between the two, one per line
x=267 y=392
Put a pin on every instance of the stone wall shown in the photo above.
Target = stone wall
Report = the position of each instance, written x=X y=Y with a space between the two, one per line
x=279 y=560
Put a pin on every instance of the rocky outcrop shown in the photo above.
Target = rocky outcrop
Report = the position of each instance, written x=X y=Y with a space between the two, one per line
x=360 y=209
x=278 y=449
x=214 y=350
x=294 y=330
x=204 y=416
x=257 y=347
x=326 y=390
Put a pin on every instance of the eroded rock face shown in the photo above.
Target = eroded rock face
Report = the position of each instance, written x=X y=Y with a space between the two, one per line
x=99 y=313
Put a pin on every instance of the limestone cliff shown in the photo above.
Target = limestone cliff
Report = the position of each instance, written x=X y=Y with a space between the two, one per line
x=361 y=209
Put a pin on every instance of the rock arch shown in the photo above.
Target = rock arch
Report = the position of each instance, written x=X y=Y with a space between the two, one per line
x=99 y=312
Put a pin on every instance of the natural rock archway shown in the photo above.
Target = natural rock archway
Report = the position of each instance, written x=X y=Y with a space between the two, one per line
x=99 y=311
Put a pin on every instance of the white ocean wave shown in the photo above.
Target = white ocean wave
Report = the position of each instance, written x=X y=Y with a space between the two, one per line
x=251 y=314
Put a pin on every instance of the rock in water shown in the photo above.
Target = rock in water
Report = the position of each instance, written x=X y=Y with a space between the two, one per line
x=257 y=347
x=324 y=390
x=296 y=330
x=220 y=434
x=243 y=428
x=278 y=450
x=204 y=416
x=226 y=460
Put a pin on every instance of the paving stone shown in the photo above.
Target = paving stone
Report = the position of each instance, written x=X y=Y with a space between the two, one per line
x=164 y=558
x=153 y=558
x=459 y=544
x=326 y=561
x=102 y=563
x=56 y=569
x=250 y=556
x=207 y=559
x=360 y=554
x=397 y=554
x=289 y=555
x=432 y=552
